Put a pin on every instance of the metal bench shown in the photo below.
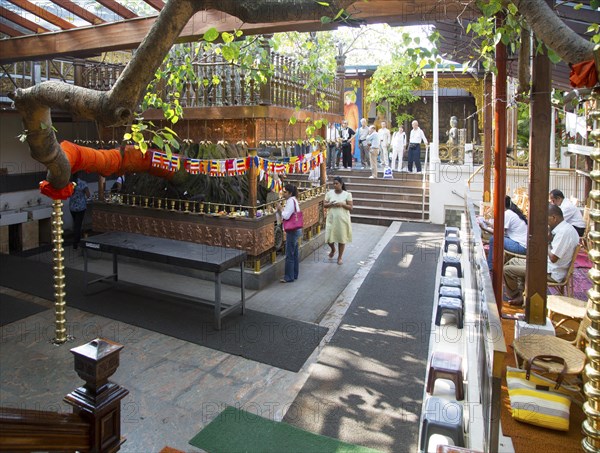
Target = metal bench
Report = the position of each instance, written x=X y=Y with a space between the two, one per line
x=169 y=251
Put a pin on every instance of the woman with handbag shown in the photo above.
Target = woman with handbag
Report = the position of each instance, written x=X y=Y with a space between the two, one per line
x=292 y=225
x=338 y=226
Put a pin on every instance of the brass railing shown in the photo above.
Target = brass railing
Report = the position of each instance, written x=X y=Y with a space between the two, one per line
x=305 y=192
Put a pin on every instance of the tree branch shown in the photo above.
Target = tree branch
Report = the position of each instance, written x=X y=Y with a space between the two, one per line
x=553 y=32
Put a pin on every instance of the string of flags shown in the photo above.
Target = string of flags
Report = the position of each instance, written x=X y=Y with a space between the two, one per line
x=238 y=166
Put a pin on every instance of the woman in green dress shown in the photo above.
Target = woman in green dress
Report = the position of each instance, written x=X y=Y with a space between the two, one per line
x=338 y=227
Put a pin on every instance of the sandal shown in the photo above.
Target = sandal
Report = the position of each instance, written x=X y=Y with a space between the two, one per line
x=340 y=262
x=332 y=253
x=283 y=280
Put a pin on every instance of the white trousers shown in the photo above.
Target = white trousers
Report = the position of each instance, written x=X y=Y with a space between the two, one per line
x=397 y=153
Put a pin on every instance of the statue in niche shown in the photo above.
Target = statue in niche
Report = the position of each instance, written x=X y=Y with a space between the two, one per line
x=453 y=132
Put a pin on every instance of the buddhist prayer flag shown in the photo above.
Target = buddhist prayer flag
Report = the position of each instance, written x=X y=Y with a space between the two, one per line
x=238 y=166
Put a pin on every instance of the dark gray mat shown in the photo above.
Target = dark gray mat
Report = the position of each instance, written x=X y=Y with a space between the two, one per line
x=276 y=341
x=368 y=383
x=14 y=309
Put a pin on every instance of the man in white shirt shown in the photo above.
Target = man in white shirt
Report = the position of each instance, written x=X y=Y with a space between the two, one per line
x=362 y=132
x=563 y=242
x=373 y=143
x=414 y=146
x=570 y=212
x=385 y=139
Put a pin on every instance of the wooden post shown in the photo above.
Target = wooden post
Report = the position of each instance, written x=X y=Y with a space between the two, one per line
x=252 y=185
x=499 y=169
x=99 y=400
x=539 y=174
x=323 y=167
x=340 y=74
x=487 y=138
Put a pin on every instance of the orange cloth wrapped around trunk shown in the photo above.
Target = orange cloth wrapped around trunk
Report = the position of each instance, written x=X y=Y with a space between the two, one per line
x=104 y=162
x=109 y=161
x=584 y=74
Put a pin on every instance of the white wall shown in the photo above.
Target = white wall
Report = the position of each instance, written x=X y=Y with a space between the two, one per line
x=447 y=185
x=16 y=158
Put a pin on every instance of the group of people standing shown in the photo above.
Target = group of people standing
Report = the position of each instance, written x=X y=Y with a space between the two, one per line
x=375 y=146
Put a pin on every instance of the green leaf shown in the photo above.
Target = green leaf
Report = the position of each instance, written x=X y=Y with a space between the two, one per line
x=230 y=53
x=158 y=141
x=326 y=20
x=323 y=3
x=553 y=56
x=340 y=12
x=211 y=34
x=293 y=120
x=227 y=37
x=127 y=136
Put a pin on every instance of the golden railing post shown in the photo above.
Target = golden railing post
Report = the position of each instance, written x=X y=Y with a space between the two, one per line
x=59 y=274
x=591 y=408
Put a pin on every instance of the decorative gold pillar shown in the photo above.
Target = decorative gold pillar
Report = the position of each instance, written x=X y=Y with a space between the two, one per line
x=59 y=274
x=252 y=176
x=591 y=426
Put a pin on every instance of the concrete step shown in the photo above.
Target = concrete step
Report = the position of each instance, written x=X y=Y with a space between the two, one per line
x=392 y=204
x=385 y=221
x=391 y=196
x=403 y=180
x=375 y=211
x=375 y=188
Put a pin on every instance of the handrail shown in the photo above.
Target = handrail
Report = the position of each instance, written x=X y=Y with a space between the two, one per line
x=32 y=430
x=470 y=180
x=423 y=182
x=96 y=405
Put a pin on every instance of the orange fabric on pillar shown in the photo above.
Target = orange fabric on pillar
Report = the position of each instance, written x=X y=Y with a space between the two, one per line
x=584 y=74
x=60 y=194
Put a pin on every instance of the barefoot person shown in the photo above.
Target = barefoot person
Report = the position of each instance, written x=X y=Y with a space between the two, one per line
x=338 y=228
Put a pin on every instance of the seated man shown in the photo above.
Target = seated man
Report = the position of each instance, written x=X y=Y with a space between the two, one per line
x=563 y=241
x=570 y=212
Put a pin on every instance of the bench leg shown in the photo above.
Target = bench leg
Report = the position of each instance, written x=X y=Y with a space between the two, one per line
x=217 y=300
x=243 y=289
x=115 y=268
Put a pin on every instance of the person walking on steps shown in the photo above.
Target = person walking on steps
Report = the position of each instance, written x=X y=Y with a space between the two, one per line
x=338 y=226
x=292 y=251
x=414 y=148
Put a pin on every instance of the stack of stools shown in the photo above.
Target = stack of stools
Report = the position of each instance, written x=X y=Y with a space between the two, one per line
x=445 y=416
x=450 y=299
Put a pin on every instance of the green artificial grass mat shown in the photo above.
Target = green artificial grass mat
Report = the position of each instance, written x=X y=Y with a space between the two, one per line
x=235 y=430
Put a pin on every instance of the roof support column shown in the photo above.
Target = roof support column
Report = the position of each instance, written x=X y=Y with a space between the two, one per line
x=539 y=175
x=499 y=168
